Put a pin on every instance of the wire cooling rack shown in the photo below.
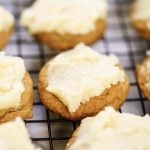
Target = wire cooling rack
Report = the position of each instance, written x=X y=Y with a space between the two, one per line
x=46 y=128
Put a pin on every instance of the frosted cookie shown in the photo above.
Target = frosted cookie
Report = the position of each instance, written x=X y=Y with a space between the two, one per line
x=6 y=26
x=14 y=136
x=16 y=89
x=81 y=82
x=63 y=24
x=111 y=130
x=140 y=17
x=143 y=76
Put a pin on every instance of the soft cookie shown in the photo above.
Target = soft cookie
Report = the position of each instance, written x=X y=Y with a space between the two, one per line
x=143 y=76
x=81 y=82
x=112 y=130
x=6 y=26
x=140 y=17
x=63 y=24
x=16 y=89
x=14 y=136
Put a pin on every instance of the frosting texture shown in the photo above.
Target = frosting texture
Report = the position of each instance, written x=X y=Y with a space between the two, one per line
x=65 y=16
x=81 y=73
x=12 y=71
x=113 y=130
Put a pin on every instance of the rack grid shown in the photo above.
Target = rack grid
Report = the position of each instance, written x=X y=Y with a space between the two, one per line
x=47 y=129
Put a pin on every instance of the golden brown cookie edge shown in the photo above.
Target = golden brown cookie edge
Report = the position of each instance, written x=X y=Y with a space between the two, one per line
x=140 y=25
x=110 y=97
x=26 y=105
x=64 y=42
x=5 y=36
x=142 y=76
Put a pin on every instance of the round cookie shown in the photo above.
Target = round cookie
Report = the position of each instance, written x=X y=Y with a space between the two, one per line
x=14 y=134
x=143 y=76
x=16 y=89
x=6 y=26
x=107 y=128
x=63 y=25
x=140 y=17
x=25 y=109
x=113 y=96
x=60 y=42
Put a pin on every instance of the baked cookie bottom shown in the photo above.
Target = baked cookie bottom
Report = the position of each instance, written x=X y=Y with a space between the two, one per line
x=142 y=28
x=4 y=37
x=64 y=42
x=143 y=76
x=25 y=108
x=115 y=96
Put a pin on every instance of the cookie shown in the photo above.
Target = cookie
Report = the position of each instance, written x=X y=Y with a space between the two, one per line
x=140 y=17
x=90 y=94
x=16 y=96
x=143 y=76
x=6 y=26
x=63 y=25
x=107 y=128
x=60 y=42
x=14 y=135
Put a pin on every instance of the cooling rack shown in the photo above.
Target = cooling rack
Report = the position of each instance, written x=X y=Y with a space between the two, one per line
x=47 y=129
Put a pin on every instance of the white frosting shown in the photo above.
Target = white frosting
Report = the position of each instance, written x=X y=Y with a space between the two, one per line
x=6 y=19
x=111 y=130
x=65 y=16
x=81 y=73
x=12 y=71
x=148 y=52
x=142 y=11
x=14 y=136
